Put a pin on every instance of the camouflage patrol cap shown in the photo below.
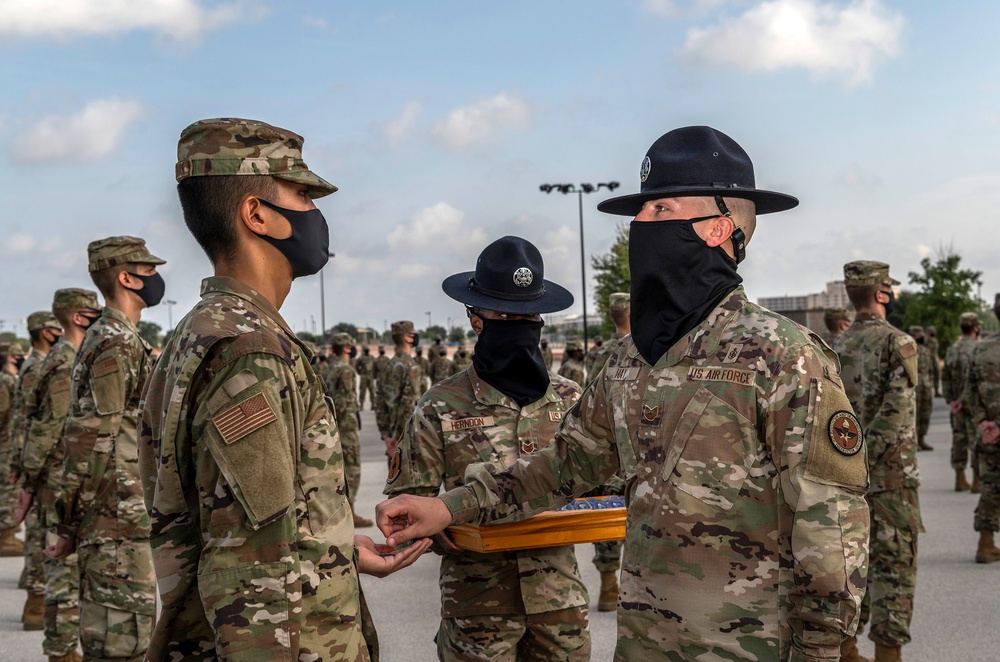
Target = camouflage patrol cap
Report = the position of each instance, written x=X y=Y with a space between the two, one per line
x=113 y=251
x=402 y=327
x=573 y=346
x=915 y=330
x=72 y=298
x=233 y=146
x=968 y=319
x=11 y=349
x=930 y=330
x=343 y=340
x=834 y=315
x=619 y=301
x=867 y=272
x=43 y=319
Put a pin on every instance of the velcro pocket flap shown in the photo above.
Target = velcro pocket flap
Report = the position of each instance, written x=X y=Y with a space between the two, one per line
x=107 y=384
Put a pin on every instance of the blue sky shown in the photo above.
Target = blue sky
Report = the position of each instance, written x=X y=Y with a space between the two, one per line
x=439 y=120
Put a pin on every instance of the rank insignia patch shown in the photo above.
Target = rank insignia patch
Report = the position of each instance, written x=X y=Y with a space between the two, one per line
x=845 y=433
x=394 y=465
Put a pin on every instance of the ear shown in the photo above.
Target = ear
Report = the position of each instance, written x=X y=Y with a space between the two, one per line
x=250 y=214
x=127 y=280
x=720 y=231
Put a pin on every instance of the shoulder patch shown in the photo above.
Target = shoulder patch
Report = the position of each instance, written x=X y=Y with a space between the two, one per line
x=845 y=432
x=394 y=466
x=906 y=350
x=239 y=420
x=59 y=385
x=105 y=367
x=555 y=416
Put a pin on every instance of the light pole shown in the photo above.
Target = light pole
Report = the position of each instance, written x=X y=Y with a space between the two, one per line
x=322 y=305
x=170 y=303
x=580 y=190
x=428 y=313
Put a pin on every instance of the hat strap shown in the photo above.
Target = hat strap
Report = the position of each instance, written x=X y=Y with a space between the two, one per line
x=527 y=296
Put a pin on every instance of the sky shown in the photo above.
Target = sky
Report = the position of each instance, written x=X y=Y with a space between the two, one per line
x=439 y=120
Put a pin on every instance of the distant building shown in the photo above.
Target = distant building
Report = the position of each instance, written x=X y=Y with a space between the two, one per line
x=807 y=309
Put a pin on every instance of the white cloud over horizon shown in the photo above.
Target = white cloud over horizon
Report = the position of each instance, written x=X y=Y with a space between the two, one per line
x=92 y=133
x=60 y=18
x=825 y=38
x=478 y=121
x=400 y=128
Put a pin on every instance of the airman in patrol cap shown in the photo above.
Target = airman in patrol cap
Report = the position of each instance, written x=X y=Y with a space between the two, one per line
x=879 y=366
x=925 y=392
x=241 y=458
x=954 y=375
x=341 y=382
x=399 y=386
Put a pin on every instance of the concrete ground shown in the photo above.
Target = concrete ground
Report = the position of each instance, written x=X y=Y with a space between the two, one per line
x=956 y=606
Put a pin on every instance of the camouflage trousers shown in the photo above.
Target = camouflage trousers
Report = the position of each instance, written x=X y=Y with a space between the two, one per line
x=367 y=388
x=62 y=605
x=988 y=509
x=963 y=442
x=117 y=599
x=925 y=403
x=34 y=543
x=553 y=635
x=8 y=495
x=607 y=555
x=892 y=566
x=351 y=445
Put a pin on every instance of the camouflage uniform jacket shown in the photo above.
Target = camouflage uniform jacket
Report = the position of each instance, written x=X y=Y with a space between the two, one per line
x=924 y=370
x=441 y=369
x=460 y=363
x=342 y=386
x=23 y=405
x=365 y=366
x=599 y=356
x=400 y=388
x=981 y=395
x=572 y=370
x=425 y=366
x=243 y=474
x=101 y=499
x=547 y=356
x=381 y=364
x=8 y=385
x=462 y=421
x=879 y=369
x=42 y=456
x=933 y=346
x=747 y=530
x=956 y=366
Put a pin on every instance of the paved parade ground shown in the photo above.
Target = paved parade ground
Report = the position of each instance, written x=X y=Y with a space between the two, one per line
x=957 y=602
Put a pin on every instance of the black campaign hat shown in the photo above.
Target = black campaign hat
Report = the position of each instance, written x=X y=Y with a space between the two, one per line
x=697 y=160
x=509 y=278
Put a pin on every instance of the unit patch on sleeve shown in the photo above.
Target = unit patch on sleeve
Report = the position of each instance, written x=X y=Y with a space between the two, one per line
x=241 y=419
x=845 y=432
x=394 y=464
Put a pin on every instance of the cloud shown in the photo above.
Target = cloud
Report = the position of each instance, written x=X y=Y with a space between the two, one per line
x=435 y=226
x=400 y=128
x=59 y=18
x=823 y=37
x=93 y=133
x=19 y=242
x=854 y=176
x=672 y=9
x=477 y=122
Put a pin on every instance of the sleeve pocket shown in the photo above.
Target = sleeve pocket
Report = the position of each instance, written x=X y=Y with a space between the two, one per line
x=249 y=442
x=247 y=607
x=107 y=385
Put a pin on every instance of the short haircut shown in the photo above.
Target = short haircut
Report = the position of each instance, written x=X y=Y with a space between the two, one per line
x=105 y=279
x=36 y=334
x=968 y=326
x=210 y=205
x=399 y=338
x=619 y=315
x=861 y=295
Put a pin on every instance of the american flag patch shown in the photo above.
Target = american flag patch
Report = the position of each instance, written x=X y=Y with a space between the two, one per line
x=241 y=419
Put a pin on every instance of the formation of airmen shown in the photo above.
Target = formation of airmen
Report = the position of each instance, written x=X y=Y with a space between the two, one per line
x=220 y=476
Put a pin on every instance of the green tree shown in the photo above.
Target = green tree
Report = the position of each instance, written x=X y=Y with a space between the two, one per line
x=435 y=331
x=343 y=327
x=946 y=291
x=456 y=334
x=611 y=274
x=150 y=332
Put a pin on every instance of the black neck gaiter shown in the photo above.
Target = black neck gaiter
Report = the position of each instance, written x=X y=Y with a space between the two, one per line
x=676 y=282
x=508 y=359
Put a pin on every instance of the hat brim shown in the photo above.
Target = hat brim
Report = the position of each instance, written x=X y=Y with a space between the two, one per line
x=555 y=298
x=317 y=186
x=767 y=202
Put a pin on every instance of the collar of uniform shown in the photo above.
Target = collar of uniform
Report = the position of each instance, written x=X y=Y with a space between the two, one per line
x=227 y=285
x=868 y=317
x=703 y=340
x=486 y=394
x=123 y=319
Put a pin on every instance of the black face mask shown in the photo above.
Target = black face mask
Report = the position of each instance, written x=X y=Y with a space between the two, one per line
x=677 y=280
x=90 y=320
x=891 y=305
x=508 y=359
x=352 y=352
x=18 y=362
x=416 y=339
x=152 y=288
x=308 y=249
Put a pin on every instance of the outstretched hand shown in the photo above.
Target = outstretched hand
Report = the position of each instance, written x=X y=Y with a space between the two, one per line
x=382 y=560
x=407 y=517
